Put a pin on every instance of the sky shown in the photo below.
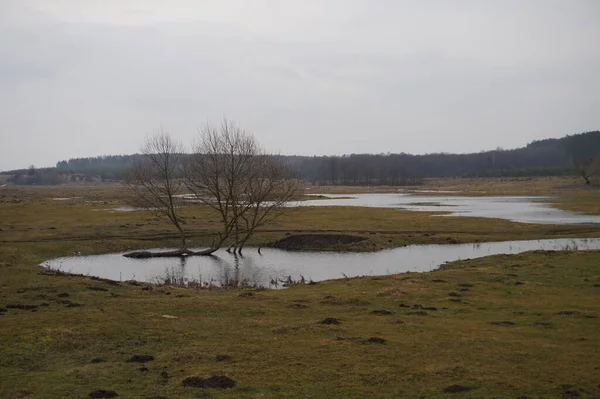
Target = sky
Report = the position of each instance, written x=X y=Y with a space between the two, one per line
x=313 y=77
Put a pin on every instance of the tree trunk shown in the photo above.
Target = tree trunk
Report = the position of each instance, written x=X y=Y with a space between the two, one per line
x=175 y=254
x=242 y=243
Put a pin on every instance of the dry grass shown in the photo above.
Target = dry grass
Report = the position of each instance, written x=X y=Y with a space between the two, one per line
x=505 y=326
x=276 y=348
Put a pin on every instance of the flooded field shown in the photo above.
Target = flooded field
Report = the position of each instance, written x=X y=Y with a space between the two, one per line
x=275 y=267
x=513 y=208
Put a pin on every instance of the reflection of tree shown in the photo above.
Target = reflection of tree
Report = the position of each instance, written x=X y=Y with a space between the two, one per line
x=239 y=272
x=233 y=272
x=174 y=275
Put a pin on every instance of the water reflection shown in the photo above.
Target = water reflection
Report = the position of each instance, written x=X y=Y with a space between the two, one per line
x=174 y=274
x=514 y=208
x=276 y=268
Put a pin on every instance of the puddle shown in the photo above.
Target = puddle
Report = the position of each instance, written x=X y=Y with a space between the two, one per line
x=277 y=265
x=121 y=209
x=516 y=209
x=433 y=191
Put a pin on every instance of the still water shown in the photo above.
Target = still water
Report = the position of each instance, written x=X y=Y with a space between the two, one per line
x=275 y=265
x=516 y=209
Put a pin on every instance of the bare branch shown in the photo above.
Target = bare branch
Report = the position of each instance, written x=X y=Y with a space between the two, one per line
x=157 y=178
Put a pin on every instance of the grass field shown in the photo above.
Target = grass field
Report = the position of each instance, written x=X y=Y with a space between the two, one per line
x=504 y=326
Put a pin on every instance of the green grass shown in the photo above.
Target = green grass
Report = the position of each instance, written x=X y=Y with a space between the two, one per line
x=275 y=343
x=278 y=348
x=31 y=215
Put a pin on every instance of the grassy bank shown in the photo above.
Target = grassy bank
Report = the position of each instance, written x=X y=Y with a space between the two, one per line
x=503 y=326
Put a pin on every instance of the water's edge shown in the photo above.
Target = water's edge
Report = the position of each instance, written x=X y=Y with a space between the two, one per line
x=274 y=267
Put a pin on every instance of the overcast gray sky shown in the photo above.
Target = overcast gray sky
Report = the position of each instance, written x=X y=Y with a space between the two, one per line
x=92 y=77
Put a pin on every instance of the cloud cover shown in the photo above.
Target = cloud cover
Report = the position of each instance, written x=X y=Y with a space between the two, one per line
x=92 y=77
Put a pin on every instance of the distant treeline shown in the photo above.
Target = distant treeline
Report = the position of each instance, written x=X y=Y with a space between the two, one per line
x=548 y=157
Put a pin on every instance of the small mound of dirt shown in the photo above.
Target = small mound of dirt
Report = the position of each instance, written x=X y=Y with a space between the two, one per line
x=216 y=381
x=569 y=391
x=22 y=307
x=502 y=323
x=140 y=359
x=331 y=300
x=330 y=321
x=101 y=393
x=297 y=306
x=382 y=312
x=315 y=241
x=94 y=288
x=376 y=340
x=417 y=313
x=456 y=389
x=564 y=312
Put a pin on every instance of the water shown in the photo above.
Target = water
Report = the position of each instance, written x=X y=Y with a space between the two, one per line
x=516 y=209
x=274 y=264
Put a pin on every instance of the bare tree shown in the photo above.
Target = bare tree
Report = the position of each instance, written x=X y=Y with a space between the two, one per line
x=586 y=167
x=220 y=161
x=156 y=179
x=230 y=173
x=267 y=193
x=584 y=149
